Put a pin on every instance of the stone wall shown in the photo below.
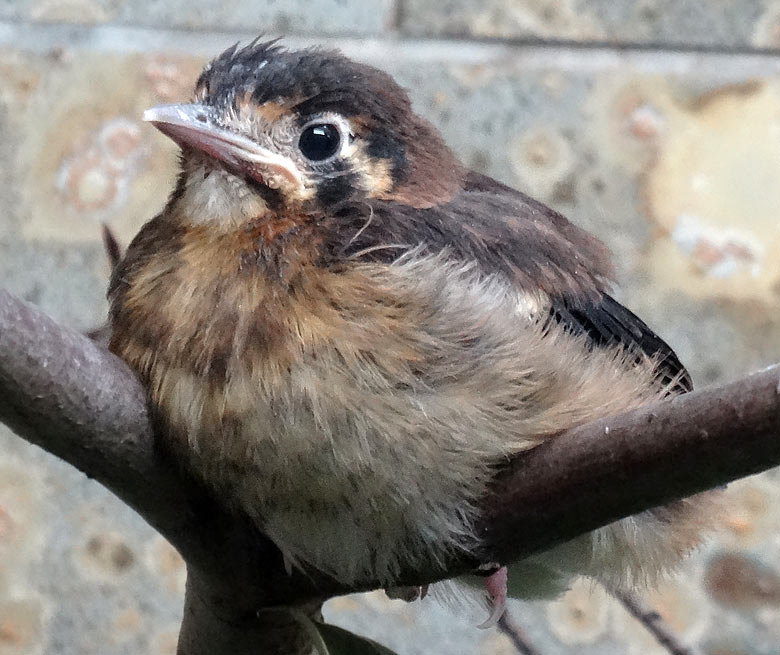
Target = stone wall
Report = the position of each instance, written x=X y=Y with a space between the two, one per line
x=653 y=123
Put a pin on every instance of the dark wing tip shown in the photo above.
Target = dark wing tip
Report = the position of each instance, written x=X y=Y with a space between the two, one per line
x=606 y=322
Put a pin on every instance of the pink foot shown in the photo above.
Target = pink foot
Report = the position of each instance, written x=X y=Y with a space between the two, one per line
x=495 y=584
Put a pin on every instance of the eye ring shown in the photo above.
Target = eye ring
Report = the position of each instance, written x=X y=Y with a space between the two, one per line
x=319 y=141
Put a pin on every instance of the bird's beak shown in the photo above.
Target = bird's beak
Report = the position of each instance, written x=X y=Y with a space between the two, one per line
x=196 y=126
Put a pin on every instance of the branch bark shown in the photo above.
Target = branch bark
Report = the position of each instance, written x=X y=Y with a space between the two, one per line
x=205 y=631
x=603 y=471
x=76 y=400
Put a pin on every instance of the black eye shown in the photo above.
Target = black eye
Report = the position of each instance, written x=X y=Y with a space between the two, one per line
x=319 y=141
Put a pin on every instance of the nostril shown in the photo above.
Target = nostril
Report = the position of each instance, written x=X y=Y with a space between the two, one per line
x=201 y=116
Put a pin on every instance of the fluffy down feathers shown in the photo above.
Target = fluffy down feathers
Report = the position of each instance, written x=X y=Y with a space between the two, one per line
x=361 y=460
x=347 y=357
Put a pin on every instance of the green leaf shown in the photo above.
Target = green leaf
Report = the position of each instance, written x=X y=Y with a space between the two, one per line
x=332 y=640
x=344 y=642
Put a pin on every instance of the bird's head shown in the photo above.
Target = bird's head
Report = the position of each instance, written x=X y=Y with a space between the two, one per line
x=305 y=130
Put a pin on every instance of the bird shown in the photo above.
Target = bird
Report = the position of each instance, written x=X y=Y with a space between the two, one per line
x=343 y=331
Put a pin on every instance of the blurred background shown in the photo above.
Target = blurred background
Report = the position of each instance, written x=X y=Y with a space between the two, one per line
x=653 y=123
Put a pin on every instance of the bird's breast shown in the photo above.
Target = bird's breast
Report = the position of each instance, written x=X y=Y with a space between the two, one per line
x=236 y=341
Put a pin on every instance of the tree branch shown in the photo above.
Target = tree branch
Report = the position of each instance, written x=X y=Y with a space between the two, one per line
x=203 y=632
x=73 y=398
x=603 y=471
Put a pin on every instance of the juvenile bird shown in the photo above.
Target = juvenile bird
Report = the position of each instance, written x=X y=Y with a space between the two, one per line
x=343 y=330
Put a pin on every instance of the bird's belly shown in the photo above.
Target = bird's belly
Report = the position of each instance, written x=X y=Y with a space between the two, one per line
x=312 y=486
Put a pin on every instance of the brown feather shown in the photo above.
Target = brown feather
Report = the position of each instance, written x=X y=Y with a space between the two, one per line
x=349 y=363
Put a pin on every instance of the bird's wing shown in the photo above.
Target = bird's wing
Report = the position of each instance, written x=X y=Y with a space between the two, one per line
x=602 y=318
x=508 y=233
x=606 y=322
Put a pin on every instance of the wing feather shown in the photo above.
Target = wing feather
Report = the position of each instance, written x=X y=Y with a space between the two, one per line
x=508 y=233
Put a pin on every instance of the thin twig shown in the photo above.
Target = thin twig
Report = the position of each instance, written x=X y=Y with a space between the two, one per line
x=102 y=333
x=653 y=622
x=517 y=635
x=112 y=247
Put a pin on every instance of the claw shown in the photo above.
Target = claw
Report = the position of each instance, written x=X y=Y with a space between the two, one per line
x=495 y=584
